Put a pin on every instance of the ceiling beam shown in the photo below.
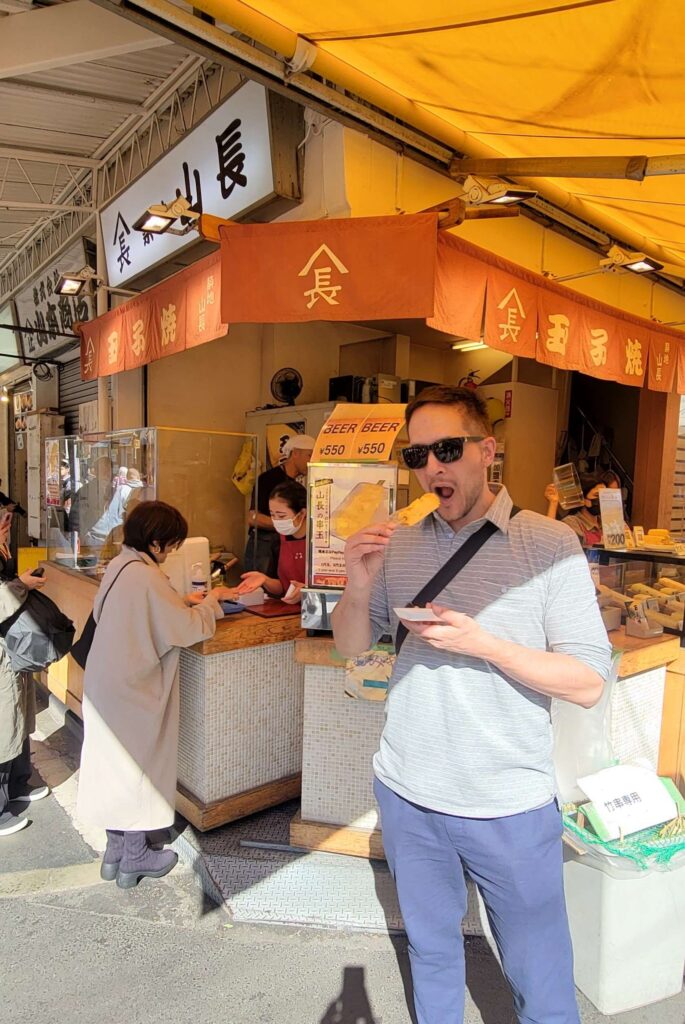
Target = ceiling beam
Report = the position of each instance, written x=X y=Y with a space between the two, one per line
x=74 y=97
x=14 y=204
x=67 y=34
x=632 y=168
x=41 y=156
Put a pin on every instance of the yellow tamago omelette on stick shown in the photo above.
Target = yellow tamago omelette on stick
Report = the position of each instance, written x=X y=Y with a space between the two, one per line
x=418 y=510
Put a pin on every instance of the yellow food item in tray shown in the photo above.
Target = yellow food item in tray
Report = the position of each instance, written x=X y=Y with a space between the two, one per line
x=418 y=510
x=658 y=539
x=672 y=584
x=359 y=509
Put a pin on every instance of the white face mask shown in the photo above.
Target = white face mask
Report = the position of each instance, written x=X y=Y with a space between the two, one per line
x=287 y=527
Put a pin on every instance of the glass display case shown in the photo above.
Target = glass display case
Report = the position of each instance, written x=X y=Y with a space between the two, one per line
x=95 y=480
x=653 y=579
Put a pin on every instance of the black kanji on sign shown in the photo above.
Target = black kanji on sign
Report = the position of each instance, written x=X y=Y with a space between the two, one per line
x=81 y=311
x=40 y=324
x=65 y=315
x=121 y=230
x=231 y=159
x=195 y=204
x=52 y=324
x=29 y=336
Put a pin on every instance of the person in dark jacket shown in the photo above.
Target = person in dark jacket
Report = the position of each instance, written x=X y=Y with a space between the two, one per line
x=17 y=706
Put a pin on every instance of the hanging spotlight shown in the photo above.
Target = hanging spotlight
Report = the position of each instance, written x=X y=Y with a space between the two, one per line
x=73 y=284
x=638 y=262
x=616 y=259
x=159 y=218
x=478 y=191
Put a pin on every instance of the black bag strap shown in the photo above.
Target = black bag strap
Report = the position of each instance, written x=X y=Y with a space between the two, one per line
x=449 y=570
x=132 y=562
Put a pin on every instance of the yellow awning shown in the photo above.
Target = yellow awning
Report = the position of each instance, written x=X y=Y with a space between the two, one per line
x=515 y=78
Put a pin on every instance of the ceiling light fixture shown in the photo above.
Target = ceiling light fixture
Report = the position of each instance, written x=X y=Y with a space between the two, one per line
x=159 y=218
x=616 y=259
x=468 y=346
x=74 y=283
x=638 y=262
x=479 y=191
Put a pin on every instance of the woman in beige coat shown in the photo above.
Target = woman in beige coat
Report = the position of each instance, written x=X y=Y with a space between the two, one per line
x=127 y=782
x=17 y=711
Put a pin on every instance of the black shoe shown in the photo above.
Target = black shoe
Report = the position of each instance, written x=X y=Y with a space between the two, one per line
x=10 y=823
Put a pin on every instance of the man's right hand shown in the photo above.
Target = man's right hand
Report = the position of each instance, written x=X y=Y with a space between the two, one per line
x=364 y=554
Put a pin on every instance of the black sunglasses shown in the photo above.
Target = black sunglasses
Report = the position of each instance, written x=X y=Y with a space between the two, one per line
x=447 y=449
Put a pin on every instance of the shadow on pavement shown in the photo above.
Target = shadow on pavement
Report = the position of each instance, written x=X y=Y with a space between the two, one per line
x=486 y=984
x=399 y=942
x=352 y=1005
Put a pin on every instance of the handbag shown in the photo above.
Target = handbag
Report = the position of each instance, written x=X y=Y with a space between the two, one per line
x=449 y=570
x=81 y=648
x=37 y=634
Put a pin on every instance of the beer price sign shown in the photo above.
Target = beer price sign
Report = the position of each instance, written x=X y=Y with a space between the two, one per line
x=359 y=433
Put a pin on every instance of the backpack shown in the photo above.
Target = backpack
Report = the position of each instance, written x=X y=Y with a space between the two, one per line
x=37 y=635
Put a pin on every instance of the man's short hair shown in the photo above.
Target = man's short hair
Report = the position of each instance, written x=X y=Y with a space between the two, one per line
x=467 y=399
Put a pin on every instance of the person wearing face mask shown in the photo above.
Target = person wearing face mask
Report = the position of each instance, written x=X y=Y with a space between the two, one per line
x=586 y=523
x=263 y=545
x=127 y=781
x=288 y=512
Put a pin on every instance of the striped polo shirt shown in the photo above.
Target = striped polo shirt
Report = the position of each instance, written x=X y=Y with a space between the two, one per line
x=460 y=736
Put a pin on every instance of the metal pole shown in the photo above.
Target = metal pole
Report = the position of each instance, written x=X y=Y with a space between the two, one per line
x=101 y=306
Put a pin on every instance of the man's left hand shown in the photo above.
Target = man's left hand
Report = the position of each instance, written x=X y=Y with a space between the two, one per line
x=456 y=632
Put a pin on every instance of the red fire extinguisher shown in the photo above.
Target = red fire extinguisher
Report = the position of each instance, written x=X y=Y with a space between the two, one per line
x=470 y=380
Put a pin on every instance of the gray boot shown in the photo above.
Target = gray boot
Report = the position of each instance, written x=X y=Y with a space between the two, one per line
x=140 y=861
x=112 y=855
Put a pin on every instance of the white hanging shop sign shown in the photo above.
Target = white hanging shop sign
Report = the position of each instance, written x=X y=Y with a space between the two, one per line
x=39 y=305
x=242 y=157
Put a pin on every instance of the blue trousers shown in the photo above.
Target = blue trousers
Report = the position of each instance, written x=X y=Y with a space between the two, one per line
x=516 y=862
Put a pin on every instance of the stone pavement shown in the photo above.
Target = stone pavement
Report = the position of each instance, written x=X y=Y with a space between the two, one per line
x=80 y=950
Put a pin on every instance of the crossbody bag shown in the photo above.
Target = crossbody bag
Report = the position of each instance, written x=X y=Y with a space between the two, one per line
x=436 y=584
x=81 y=649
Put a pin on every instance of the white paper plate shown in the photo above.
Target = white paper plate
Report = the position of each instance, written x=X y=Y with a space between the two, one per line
x=416 y=614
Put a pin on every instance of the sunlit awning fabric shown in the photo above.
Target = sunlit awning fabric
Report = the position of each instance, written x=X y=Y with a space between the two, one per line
x=516 y=78
x=370 y=268
x=367 y=268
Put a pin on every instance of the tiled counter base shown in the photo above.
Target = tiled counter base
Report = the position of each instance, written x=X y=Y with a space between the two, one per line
x=240 y=742
x=339 y=813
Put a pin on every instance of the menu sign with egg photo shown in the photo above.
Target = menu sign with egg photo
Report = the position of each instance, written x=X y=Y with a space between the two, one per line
x=613 y=522
x=343 y=499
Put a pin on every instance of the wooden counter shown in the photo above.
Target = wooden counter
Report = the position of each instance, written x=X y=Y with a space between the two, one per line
x=238 y=632
x=636 y=655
